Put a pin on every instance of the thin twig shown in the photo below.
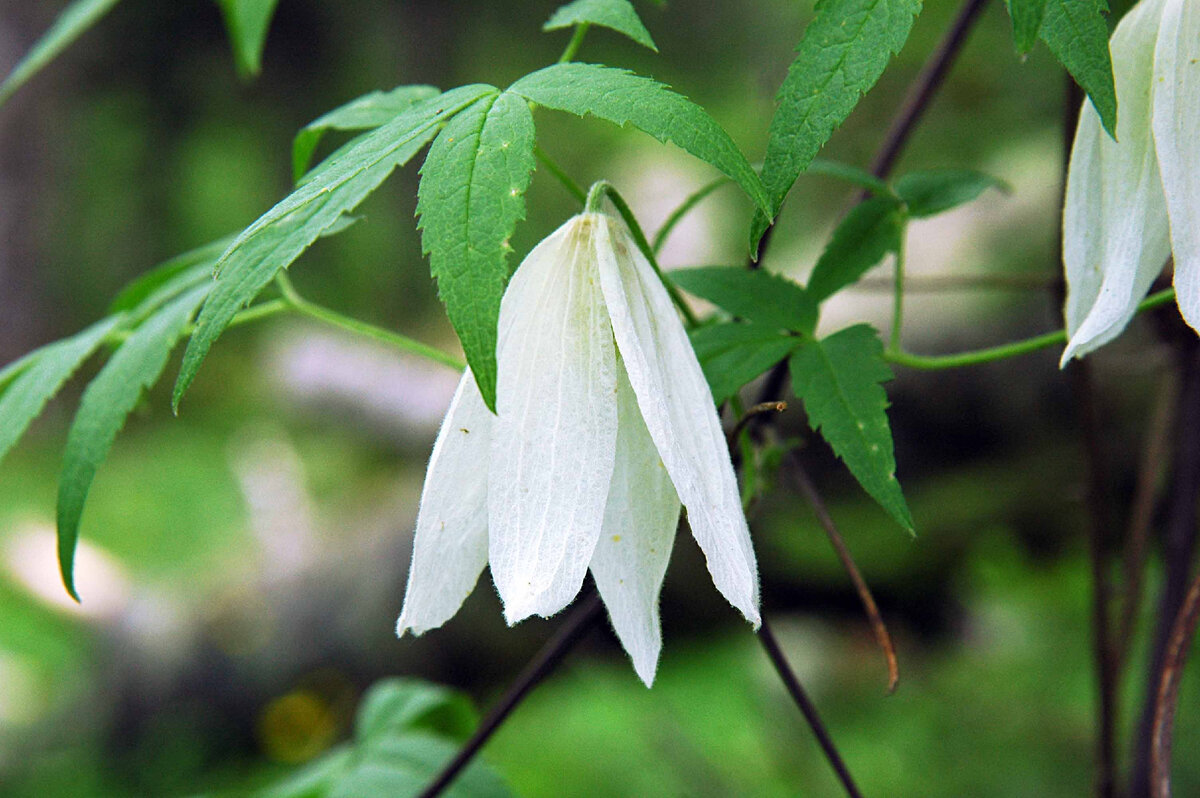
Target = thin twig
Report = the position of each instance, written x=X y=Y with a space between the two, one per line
x=813 y=497
x=775 y=654
x=573 y=630
x=1141 y=515
x=1183 y=631
x=759 y=409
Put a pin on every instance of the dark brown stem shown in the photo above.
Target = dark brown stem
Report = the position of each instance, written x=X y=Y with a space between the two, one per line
x=931 y=78
x=805 y=484
x=573 y=630
x=775 y=654
x=1179 y=546
x=1098 y=524
x=1183 y=631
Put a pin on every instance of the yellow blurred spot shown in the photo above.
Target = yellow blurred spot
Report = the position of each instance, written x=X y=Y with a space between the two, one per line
x=297 y=726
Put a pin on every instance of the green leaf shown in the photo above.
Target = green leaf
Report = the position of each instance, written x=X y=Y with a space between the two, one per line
x=403 y=765
x=1077 y=33
x=364 y=113
x=315 y=779
x=735 y=353
x=850 y=174
x=334 y=188
x=934 y=191
x=470 y=200
x=838 y=379
x=395 y=705
x=844 y=51
x=1027 y=16
x=618 y=15
x=106 y=403
x=163 y=281
x=869 y=232
x=752 y=294
x=75 y=19
x=621 y=97
x=39 y=375
x=247 y=22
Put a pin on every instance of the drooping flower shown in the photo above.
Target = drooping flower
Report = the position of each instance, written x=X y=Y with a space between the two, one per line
x=604 y=423
x=1133 y=202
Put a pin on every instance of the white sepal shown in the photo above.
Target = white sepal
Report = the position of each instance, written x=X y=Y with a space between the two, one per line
x=635 y=542
x=450 y=544
x=679 y=412
x=556 y=426
x=1131 y=225
x=1176 y=128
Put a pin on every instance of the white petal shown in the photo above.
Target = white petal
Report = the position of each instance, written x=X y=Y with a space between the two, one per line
x=556 y=426
x=679 y=412
x=639 y=530
x=450 y=544
x=1176 y=127
x=1118 y=199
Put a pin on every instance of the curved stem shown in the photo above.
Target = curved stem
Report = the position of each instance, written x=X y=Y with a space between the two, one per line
x=894 y=346
x=576 y=41
x=559 y=174
x=301 y=305
x=677 y=215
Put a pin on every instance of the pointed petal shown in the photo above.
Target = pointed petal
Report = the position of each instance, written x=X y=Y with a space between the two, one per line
x=556 y=426
x=635 y=543
x=1130 y=222
x=1176 y=122
x=678 y=409
x=450 y=544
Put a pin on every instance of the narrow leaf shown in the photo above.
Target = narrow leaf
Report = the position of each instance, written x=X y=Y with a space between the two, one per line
x=842 y=54
x=618 y=15
x=869 y=232
x=1027 y=16
x=333 y=189
x=70 y=25
x=36 y=383
x=1077 y=33
x=931 y=192
x=158 y=285
x=850 y=174
x=364 y=113
x=735 y=353
x=755 y=295
x=470 y=200
x=247 y=22
x=106 y=403
x=622 y=97
x=838 y=379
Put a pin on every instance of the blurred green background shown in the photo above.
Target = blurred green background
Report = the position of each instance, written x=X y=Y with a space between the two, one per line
x=255 y=548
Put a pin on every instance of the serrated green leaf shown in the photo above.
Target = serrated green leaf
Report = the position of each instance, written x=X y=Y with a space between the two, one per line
x=315 y=779
x=1077 y=33
x=395 y=705
x=933 y=191
x=333 y=189
x=75 y=19
x=1027 y=16
x=838 y=379
x=108 y=400
x=364 y=113
x=869 y=232
x=735 y=353
x=404 y=764
x=621 y=97
x=844 y=51
x=163 y=282
x=618 y=15
x=247 y=22
x=752 y=294
x=41 y=374
x=470 y=199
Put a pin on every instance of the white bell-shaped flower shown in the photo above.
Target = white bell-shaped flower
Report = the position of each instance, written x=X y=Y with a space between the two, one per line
x=1132 y=202
x=604 y=424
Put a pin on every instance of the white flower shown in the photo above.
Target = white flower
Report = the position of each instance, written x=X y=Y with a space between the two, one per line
x=604 y=422
x=1120 y=196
